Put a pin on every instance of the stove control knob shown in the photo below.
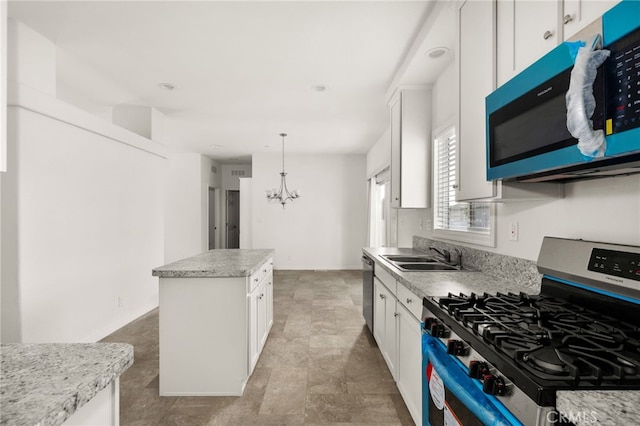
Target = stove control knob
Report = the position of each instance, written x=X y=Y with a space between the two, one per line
x=456 y=347
x=438 y=330
x=478 y=369
x=428 y=322
x=494 y=385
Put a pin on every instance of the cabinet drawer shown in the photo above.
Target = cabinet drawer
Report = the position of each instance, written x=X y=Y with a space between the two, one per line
x=262 y=271
x=267 y=267
x=387 y=279
x=410 y=301
x=254 y=279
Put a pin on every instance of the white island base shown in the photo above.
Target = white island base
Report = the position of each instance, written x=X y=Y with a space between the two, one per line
x=212 y=331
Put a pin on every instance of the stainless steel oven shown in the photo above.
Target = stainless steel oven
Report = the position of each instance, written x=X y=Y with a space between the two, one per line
x=501 y=358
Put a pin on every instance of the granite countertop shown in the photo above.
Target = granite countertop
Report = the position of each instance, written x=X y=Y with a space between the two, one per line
x=602 y=408
x=216 y=263
x=426 y=284
x=44 y=384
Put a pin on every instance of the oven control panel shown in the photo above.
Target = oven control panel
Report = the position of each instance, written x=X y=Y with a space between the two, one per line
x=479 y=370
x=617 y=263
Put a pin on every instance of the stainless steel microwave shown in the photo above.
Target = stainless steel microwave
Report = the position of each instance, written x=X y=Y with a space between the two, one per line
x=526 y=118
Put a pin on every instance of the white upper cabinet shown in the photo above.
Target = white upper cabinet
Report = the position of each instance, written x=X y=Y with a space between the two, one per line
x=476 y=72
x=578 y=14
x=410 y=147
x=477 y=57
x=528 y=29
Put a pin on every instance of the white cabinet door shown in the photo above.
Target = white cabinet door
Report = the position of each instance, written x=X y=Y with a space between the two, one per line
x=258 y=320
x=476 y=80
x=536 y=30
x=379 y=308
x=409 y=366
x=526 y=30
x=384 y=328
x=395 y=150
x=262 y=314
x=410 y=148
x=252 y=300
x=269 y=279
x=578 y=14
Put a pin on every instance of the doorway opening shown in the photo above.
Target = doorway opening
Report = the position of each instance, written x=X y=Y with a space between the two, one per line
x=233 y=219
x=212 y=226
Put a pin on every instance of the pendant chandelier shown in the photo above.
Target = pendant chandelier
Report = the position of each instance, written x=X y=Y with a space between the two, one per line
x=283 y=195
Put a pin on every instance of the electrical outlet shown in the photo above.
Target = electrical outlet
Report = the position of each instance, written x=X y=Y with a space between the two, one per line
x=513 y=231
x=120 y=302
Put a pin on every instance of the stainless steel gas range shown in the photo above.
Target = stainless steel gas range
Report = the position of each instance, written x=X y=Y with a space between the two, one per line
x=499 y=359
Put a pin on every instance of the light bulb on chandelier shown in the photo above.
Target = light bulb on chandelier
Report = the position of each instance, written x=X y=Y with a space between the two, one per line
x=282 y=195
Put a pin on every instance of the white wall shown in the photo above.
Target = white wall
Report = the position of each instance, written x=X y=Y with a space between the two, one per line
x=326 y=227
x=229 y=180
x=605 y=210
x=188 y=179
x=379 y=156
x=87 y=228
x=82 y=213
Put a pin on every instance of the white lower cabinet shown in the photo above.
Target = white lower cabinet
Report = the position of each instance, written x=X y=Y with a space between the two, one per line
x=260 y=316
x=398 y=333
x=409 y=365
x=384 y=312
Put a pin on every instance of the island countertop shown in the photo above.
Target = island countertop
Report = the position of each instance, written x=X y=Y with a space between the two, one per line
x=45 y=383
x=216 y=263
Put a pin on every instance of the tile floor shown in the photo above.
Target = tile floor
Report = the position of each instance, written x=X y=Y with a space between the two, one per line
x=320 y=365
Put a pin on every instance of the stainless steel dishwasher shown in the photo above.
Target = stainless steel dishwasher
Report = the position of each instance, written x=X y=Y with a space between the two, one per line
x=367 y=291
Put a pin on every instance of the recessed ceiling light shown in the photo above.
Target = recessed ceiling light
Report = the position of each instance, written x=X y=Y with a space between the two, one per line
x=166 y=86
x=437 y=52
x=319 y=88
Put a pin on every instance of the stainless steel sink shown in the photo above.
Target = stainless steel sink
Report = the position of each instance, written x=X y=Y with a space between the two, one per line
x=409 y=262
x=426 y=267
x=407 y=258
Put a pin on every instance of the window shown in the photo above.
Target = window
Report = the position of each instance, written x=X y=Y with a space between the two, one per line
x=382 y=217
x=471 y=222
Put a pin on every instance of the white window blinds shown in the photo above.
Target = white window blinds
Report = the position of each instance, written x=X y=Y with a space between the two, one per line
x=448 y=213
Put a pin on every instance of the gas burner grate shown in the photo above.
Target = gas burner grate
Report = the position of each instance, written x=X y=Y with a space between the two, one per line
x=550 y=337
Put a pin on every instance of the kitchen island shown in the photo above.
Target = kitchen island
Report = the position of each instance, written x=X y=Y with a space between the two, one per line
x=216 y=310
x=55 y=383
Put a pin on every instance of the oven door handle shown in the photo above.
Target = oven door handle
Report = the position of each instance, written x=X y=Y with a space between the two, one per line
x=456 y=381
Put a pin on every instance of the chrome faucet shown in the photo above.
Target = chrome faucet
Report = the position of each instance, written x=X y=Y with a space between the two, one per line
x=446 y=255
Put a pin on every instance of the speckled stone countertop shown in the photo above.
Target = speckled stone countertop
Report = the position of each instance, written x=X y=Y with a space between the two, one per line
x=503 y=274
x=216 y=263
x=425 y=284
x=602 y=408
x=44 y=384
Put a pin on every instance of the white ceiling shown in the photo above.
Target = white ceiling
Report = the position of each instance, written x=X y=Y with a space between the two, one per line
x=244 y=71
